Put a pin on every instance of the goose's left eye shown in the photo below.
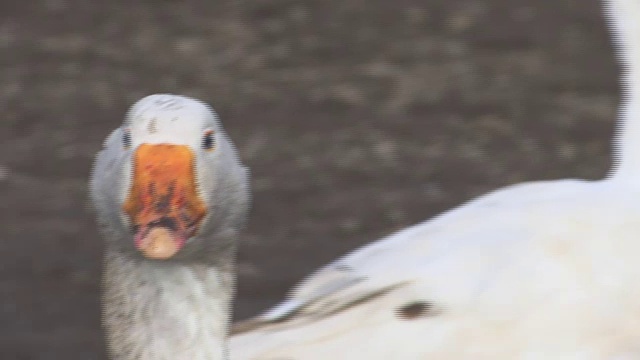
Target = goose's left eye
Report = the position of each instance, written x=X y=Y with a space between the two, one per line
x=208 y=140
x=126 y=139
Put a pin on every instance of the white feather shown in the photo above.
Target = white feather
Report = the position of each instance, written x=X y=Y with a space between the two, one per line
x=544 y=270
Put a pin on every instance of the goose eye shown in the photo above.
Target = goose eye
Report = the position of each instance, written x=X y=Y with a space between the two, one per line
x=208 y=140
x=126 y=139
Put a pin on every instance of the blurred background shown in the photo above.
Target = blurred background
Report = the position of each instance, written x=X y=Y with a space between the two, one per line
x=357 y=118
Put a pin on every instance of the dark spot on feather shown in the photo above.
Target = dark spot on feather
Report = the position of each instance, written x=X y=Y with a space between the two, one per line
x=414 y=310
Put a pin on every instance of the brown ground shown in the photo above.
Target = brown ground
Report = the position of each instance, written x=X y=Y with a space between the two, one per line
x=357 y=118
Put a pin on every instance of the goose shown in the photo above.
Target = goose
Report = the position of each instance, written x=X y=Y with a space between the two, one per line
x=170 y=197
x=539 y=270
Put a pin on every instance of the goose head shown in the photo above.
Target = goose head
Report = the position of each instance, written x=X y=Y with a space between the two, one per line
x=168 y=184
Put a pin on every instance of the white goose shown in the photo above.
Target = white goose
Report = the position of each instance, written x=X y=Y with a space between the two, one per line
x=543 y=270
x=170 y=195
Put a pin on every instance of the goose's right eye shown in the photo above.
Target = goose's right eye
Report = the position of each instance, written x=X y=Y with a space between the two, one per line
x=126 y=139
x=208 y=141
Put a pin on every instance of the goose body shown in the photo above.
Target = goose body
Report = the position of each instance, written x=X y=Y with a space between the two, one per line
x=541 y=270
x=170 y=196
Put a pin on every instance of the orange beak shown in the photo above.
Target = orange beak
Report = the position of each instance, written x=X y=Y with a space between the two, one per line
x=163 y=203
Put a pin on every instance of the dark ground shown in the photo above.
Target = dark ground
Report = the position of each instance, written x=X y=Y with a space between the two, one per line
x=357 y=118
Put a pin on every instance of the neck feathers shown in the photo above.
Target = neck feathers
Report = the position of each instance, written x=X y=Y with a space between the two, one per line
x=155 y=311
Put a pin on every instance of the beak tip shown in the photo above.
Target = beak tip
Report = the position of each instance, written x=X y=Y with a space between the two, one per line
x=159 y=244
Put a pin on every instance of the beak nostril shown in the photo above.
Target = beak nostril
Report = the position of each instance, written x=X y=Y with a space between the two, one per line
x=172 y=188
x=152 y=189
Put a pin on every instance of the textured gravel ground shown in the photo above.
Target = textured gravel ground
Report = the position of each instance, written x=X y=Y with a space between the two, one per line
x=357 y=118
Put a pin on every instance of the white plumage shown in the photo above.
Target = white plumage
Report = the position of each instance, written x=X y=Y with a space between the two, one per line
x=543 y=270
